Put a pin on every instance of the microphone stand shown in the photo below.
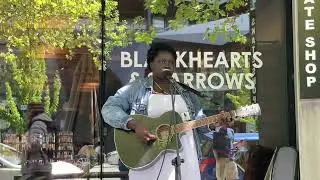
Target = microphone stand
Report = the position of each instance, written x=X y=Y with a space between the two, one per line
x=177 y=160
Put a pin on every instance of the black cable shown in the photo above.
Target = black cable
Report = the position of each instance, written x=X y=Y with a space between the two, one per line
x=102 y=82
x=171 y=123
x=178 y=157
x=164 y=155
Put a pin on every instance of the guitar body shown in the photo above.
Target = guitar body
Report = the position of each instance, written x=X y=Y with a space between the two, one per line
x=136 y=154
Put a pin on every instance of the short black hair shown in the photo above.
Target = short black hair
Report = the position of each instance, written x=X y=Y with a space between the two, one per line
x=155 y=48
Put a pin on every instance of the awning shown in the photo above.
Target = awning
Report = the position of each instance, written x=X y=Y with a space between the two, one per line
x=195 y=33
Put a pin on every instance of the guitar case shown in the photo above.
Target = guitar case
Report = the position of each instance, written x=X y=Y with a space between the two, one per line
x=283 y=165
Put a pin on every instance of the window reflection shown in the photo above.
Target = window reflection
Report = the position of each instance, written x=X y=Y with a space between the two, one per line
x=77 y=112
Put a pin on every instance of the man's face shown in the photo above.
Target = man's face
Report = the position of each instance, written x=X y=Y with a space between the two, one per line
x=163 y=64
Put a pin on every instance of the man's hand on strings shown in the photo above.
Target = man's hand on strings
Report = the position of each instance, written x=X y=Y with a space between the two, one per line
x=141 y=132
x=225 y=119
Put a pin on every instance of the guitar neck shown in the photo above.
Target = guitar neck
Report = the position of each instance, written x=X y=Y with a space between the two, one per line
x=251 y=110
x=189 y=125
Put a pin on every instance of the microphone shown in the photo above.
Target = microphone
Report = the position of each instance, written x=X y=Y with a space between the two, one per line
x=167 y=73
x=168 y=76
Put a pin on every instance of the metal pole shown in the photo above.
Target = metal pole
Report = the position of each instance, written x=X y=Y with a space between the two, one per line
x=102 y=82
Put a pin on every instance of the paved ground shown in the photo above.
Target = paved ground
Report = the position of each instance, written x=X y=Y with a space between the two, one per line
x=106 y=168
x=9 y=173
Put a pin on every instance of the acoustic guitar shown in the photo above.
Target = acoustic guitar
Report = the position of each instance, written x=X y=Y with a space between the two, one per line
x=136 y=154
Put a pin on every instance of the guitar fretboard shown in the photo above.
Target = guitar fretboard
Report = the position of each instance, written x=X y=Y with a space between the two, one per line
x=252 y=110
x=189 y=125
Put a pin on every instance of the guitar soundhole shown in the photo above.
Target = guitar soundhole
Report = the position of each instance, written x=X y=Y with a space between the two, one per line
x=163 y=132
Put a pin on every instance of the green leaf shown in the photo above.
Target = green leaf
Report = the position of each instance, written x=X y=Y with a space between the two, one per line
x=36 y=25
x=47 y=100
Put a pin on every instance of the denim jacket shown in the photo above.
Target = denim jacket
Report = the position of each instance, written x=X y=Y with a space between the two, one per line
x=133 y=99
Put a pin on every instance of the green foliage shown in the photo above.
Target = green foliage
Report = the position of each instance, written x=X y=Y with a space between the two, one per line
x=40 y=25
x=145 y=36
x=194 y=11
x=3 y=70
x=46 y=98
x=56 y=93
x=243 y=96
x=28 y=74
x=4 y=116
x=34 y=28
x=157 y=6
x=51 y=107
x=14 y=117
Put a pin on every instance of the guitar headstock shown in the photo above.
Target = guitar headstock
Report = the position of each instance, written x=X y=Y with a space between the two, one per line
x=250 y=110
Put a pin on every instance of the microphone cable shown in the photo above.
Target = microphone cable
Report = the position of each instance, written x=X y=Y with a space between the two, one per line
x=171 y=123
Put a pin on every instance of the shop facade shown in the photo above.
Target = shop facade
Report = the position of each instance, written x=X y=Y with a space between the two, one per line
x=272 y=74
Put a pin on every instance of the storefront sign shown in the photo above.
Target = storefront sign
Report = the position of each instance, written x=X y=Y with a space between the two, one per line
x=253 y=49
x=309 y=48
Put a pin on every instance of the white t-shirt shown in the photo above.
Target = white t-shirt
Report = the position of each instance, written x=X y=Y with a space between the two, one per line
x=159 y=104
